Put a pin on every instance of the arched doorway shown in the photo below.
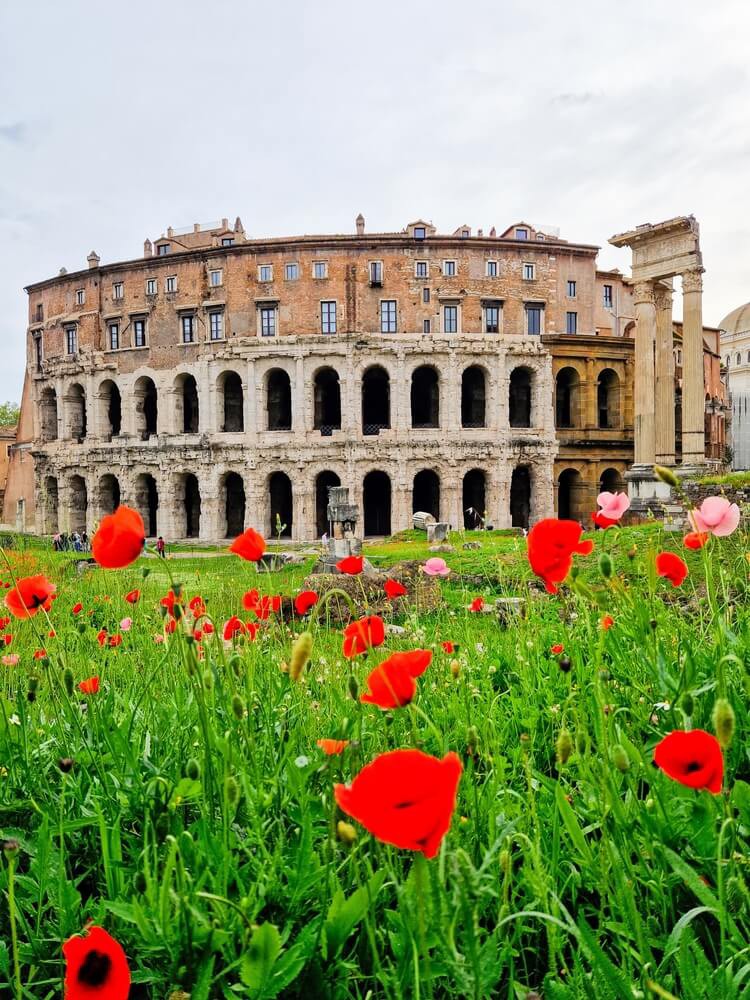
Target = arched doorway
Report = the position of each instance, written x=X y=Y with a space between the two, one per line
x=426 y=493
x=51 y=506
x=570 y=488
x=425 y=397
x=233 y=490
x=146 y=407
x=608 y=399
x=279 y=400
x=376 y=400
x=76 y=406
x=48 y=414
x=192 y=506
x=322 y=481
x=376 y=496
x=520 y=497
x=281 y=505
x=567 y=398
x=79 y=503
x=231 y=398
x=474 y=499
x=147 y=502
x=519 y=398
x=326 y=401
x=109 y=494
x=186 y=405
x=473 y=397
x=611 y=481
x=111 y=408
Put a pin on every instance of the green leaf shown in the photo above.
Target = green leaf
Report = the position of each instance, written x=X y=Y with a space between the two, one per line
x=203 y=980
x=741 y=801
x=702 y=892
x=293 y=961
x=258 y=961
x=345 y=914
x=570 y=821
x=606 y=969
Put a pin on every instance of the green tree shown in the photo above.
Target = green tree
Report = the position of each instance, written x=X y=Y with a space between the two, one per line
x=9 y=413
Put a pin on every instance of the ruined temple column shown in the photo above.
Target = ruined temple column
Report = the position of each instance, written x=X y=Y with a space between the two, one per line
x=645 y=336
x=664 y=398
x=693 y=405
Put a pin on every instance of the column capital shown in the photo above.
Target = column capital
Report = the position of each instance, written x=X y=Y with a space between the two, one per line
x=663 y=297
x=643 y=291
x=692 y=281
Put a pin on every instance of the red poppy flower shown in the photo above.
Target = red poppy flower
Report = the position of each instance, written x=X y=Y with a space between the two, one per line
x=265 y=606
x=331 y=747
x=551 y=545
x=671 y=567
x=449 y=647
x=101 y=636
x=133 y=596
x=170 y=625
x=198 y=606
x=76 y=609
x=249 y=545
x=393 y=589
x=695 y=539
x=95 y=966
x=602 y=521
x=39 y=654
x=52 y=634
x=89 y=686
x=4 y=623
x=235 y=626
x=607 y=622
x=557 y=648
x=29 y=595
x=198 y=634
x=208 y=628
x=477 y=604
x=115 y=640
x=352 y=565
x=694 y=759
x=304 y=601
x=405 y=798
x=169 y=602
x=363 y=634
x=119 y=539
x=250 y=600
x=391 y=684
x=7 y=639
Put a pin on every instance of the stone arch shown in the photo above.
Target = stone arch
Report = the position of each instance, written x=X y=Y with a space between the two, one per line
x=567 y=398
x=571 y=491
x=376 y=400
x=629 y=330
x=146 y=407
x=48 y=414
x=279 y=400
x=76 y=418
x=520 y=496
x=474 y=499
x=51 y=506
x=110 y=408
x=425 y=397
x=78 y=504
x=608 y=399
x=230 y=397
x=326 y=400
x=234 y=503
x=281 y=505
x=425 y=494
x=520 y=388
x=108 y=494
x=611 y=481
x=376 y=503
x=147 y=502
x=188 y=513
x=186 y=403
x=323 y=480
x=473 y=397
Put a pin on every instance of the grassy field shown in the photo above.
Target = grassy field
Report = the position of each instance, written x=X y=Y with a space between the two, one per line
x=186 y=807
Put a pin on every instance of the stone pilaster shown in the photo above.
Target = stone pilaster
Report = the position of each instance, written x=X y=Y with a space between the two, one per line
x=693 y=404
x=664 y=399
x=645 y=338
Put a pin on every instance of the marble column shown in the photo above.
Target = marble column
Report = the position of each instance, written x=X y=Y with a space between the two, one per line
x=693 y=404
x=645 y=337
x=664 y=399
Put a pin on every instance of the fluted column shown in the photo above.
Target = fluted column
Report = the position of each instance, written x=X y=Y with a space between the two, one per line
x=664 y=401
x=693 y=405
x=645 y=337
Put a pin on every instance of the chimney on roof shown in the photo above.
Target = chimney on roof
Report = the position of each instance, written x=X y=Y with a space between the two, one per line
x=360 y=224
x=170 y=232
x=148 y=248
x=238 y=227
x=480 y=232
x=63 y=270
x=225 y=223
x=492 y=232
x=196 y=227
x=93 y=259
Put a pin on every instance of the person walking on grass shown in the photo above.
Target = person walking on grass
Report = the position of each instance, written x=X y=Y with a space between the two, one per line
x=161 y=548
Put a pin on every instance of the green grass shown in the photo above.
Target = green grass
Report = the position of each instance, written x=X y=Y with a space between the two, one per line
x=731 y=479
x=198 y=826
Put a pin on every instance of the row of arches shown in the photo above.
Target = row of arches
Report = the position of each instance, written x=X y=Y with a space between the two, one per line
x=569 y=399
x=425 y=403
x=576 y=497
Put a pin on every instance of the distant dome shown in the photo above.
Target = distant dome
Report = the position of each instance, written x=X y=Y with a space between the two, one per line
x=737 y=321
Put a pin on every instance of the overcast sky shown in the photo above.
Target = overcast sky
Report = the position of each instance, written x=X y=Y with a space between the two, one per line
x=119 y=119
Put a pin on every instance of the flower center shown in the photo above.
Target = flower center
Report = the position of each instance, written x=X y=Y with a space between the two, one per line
x=692 y=767
x=95 y=969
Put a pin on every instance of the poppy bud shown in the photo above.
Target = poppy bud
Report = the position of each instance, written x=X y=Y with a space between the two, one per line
x=353 y=687
x=10 y=847
x=723 y=720
x=620 y=758
x=33 y=683
x=564 y=664
x=238 y=706
x=581 y=742
x=472 y=738
x=345 y=832
x=235 y=662
x=504 y=859
x=65 y=764
x=139 y=882
x=189 y=639
x=208 y=680
x=666 y=475
x=455 y=668
x=284 y=667
x=301 y=651
x=193 y=769
x=632 y=552
x=232 y=790
x=574 y=572
x=564 y=747
x=177 y=591
x=736 y=894
x=688 y=705
x=145 y=572
x=31 y=696
x=68 y=680
x=177 y=610
x=653 y=623
x=82 y=626
x=605 y=565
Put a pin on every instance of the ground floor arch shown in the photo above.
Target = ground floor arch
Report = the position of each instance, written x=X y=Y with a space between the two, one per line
x=147 y=502
x=233 y=504
x=376 y=502
x=51 y=506
x=323 y=481
x=109 y=494
x=78 y=504
x=474 y=499
x=281 y=505
x=571 y=492
x=425 y=495
x=520 y=497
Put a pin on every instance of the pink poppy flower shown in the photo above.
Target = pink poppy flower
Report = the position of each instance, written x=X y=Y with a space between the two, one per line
x=11 y=659
x=717 y=516
x=613 y=505
x=126 y=624
x=436 y=567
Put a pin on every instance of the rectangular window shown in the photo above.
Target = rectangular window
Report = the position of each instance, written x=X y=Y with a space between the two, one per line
x=71 y=340
x=39 y=312
x=80 y=296
x=492 y=318
x=291 y=272
x=39 y=350
x=216 y=325
x=118 y=290
x=491 y=268
x=533 y=320
x=388 y=316
x=607 y=296
x=320 y=269
x=419 y=232
x=265 y=272
x=425 y=294
x=328 y=317
x=139 y=332
x=162 y=250
x=268 y=321
x=151 y=286
x=376 y=273
x=227 y=241
x=449 y=268
x=571 y=289
x=529 y=272
x=425 y=326
x=114 y=336
x=522 y=234
x=450 y=319
x=171 y=284
x=187 y=322
x=571 y=322
x=216 y=277
x=421 y=269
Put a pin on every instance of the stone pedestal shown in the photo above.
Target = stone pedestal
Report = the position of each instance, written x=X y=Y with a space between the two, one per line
x=646 y=491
